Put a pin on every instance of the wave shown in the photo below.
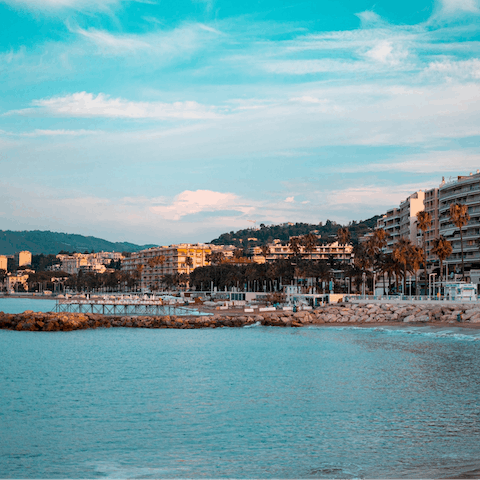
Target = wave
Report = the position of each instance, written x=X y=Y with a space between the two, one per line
x=452 y=333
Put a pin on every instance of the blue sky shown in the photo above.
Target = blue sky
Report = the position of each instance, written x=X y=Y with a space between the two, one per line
x=162 y=122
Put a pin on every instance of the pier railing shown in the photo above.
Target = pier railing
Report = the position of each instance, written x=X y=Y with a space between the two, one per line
x=122 y=307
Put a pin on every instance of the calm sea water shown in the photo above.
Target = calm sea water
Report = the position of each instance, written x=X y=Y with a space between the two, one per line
x=259 y=402
x=19 y=305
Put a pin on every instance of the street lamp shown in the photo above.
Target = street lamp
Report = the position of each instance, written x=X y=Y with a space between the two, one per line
x=374 y=278
x=430 y=284
x=363 y=283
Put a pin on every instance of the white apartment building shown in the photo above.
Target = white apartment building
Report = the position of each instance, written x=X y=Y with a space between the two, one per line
x=278 y=250
x=402 y=221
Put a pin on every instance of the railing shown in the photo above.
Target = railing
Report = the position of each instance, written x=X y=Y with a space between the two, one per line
x=403 y=298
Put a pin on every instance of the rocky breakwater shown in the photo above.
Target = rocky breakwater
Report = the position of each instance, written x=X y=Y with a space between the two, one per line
x=35 y=321
x=338 y=314
x=397 y=313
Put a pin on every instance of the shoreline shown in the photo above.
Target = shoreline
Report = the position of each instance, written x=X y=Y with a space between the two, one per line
x=364 y=316
x=70 y=324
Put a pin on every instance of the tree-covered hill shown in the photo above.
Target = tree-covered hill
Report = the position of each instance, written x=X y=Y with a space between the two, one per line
x=47 y=242
x=267 y=233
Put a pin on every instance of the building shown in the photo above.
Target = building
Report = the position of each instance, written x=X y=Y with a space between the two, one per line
x=465 y=190
x=402 y=221
x=23 y=258
x=3 y=262
x=13 y=282
x=277 y=250
x=431 y=207
x=90 y=262
x=153 y=264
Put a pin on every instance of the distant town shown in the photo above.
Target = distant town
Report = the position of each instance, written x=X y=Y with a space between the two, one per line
x=431 y=237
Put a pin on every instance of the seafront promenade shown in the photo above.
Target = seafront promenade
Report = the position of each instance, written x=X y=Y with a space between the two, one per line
x=366 y=314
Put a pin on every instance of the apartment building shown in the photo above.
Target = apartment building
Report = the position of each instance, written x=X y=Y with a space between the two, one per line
x=431 y=207
x=153 y=264
x=12 y=282
x=278 y=250
x=465 y=190
x=3 y=262
x=23 y=258
x=91 y=262
x=402 y=221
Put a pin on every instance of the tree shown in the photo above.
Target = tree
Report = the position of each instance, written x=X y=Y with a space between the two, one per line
x=188 y=263
x=402 y=252
x=415 y=259
x=424 y=221
x=294 y=245
x=343 y=235
x=460 y=217
x=442 y=248
x=309 y=243
x=215 y=257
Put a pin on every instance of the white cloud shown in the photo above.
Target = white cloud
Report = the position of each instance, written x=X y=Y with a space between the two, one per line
x=83 y=104
x=52 y=5
x=191 y=202
x=118 y=43
x=384 y=52
x=433 y=162
x=381 y=197
x=462 y=69
x=453 y=6
x=290 y=200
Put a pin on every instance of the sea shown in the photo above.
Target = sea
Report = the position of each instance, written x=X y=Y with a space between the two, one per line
x=255 y=402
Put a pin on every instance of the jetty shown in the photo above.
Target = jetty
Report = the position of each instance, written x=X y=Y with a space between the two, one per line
x=137 y=306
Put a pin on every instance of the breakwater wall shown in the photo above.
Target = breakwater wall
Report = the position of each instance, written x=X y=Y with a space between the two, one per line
x=348 y=313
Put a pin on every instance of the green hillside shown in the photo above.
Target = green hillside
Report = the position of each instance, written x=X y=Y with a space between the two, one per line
x=47 y=242
x=267 y=233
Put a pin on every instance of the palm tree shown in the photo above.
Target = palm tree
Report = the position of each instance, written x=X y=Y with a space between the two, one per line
x=460 y=217
x=442 y=248
x=424 y=221
x=188 y=263
x=415 y=260
x=401 y=252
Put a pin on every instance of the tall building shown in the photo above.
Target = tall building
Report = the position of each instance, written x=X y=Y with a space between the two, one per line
x=23 y=258
x=402 y=221
x=3 y=262
x=431 y=207
x=465 y=190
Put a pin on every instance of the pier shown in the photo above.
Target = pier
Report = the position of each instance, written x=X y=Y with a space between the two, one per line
x=121 y=306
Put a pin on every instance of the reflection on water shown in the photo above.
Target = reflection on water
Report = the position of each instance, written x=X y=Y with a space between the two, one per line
x=261 y=402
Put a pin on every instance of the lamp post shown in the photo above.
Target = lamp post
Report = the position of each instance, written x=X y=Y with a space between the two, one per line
x=374 y=278
x=363 y=283
x=430 y=284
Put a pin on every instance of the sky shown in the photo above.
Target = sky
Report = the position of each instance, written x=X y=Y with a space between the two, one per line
x=155 y=121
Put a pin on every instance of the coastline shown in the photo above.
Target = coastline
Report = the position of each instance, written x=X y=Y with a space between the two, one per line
x=335 y=315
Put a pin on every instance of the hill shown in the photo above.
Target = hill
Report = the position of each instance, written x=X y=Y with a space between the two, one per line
x=267 y=233
x=47 y=242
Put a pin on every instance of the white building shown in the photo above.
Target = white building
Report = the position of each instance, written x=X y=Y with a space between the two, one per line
x=402 y=221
